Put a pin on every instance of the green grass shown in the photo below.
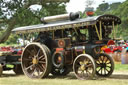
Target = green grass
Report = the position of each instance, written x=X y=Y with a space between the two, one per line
x=68 y=80
x=120 y=77
x=121 y=67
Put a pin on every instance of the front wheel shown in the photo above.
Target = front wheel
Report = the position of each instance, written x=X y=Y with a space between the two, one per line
x=84 y=67
x=104 y=65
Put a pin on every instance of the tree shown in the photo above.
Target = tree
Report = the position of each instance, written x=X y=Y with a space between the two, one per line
x=15 y=13
x=120 y=10
x=102 y=8
x=89 y=2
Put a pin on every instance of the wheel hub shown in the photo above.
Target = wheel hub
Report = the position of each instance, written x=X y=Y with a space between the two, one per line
x=35 y=61
x=103 y=65
x=82 y=67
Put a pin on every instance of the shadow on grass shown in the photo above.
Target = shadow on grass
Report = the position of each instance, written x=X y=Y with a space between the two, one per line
x=71 y=76
x=119 y=76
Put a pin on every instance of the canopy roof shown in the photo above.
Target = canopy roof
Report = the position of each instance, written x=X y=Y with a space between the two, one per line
x=66 y=24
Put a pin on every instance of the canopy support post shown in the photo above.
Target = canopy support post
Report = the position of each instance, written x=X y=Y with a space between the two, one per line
x=100 y=30
x=97 y=32
x=53 y=35
x=76 y=31
x=113 y=29
x=62 y=33
x=23 y=40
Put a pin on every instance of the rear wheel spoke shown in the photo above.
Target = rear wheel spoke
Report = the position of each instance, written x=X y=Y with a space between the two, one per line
x=30 y=53
x=35 y=50
x=42 y=62
x=41 y=67
x=29 y=67
x=38 y=52
x=41 y=57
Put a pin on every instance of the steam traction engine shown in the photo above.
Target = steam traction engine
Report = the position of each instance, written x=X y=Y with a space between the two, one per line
x=69 y=44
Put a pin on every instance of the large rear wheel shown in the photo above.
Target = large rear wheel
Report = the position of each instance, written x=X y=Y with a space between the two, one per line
x=104 y=65
x=84 y=67
x=36 y=62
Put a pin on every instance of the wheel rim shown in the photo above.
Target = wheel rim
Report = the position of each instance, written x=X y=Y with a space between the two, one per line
x=84 y=67
x=35 y=61
x=105 y=65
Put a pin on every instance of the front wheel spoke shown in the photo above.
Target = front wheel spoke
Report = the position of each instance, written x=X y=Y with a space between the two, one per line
x=107 y=70
x=104 y=71
x=100 y=58
x=89 y=65
x=98 y=61
x=108 y=66
x=88 y=73
x=99 y=69
x=108 y=62
x=98 y=65
x=77 y=65
x=103 y=58
x=82 y=73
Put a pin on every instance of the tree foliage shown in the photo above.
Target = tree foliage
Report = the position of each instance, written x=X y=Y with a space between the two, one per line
x=15 y=13
x=120 y=10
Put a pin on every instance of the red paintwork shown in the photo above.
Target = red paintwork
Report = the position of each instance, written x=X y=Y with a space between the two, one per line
x=59 y=49
x=114 y=48
x=90 y=13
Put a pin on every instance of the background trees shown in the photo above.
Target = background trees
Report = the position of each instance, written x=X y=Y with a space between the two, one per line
x=120 y=10
x=15 y=13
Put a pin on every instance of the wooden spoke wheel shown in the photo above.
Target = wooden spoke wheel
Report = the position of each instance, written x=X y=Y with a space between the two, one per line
x=1 y=69
x=17 y=69
x=36 y=62
x=105 y=65
x=60 y=72
x=84 y=67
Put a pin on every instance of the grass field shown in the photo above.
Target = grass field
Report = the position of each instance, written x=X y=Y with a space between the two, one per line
x=119 y=77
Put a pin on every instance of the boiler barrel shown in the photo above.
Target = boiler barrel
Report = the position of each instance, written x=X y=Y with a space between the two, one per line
x=71 y=16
